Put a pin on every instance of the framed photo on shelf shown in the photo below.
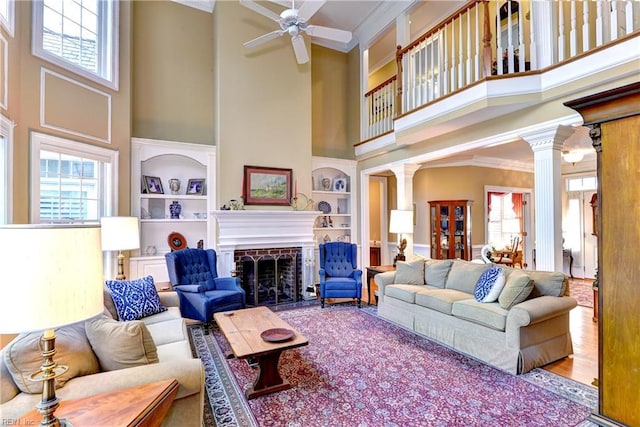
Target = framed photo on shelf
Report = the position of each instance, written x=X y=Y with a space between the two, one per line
x=266 y=186
x=152 y=184
x=340 y=185
x=196 y=186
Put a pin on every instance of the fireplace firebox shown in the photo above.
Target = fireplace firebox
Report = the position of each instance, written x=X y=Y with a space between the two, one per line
x=270 y=276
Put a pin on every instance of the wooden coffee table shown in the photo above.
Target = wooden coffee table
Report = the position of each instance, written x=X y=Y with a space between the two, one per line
x=242 y=329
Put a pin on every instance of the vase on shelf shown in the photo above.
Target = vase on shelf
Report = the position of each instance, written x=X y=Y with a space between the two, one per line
x=175 y=210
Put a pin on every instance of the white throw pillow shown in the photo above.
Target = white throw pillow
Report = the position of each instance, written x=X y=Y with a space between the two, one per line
x=489 y=285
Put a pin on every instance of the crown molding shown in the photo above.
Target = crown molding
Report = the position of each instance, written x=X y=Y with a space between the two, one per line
x=204 y=5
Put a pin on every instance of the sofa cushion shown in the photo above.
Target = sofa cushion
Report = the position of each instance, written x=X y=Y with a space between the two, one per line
x=410 y=272
x=464 y=275
x=135 y=299
x=489 y=285
x=120 y=345
x=486 y=314
x=440 y=299
x=516 y=289
x=436 y=272
x=23 y=357
x=548 y=283
x=404 y=293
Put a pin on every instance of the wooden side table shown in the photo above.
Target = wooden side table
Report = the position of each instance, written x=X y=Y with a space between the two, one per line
x=143 y=405
x=371 y=272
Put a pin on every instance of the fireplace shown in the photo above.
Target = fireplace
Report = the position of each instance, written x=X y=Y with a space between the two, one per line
x=270 y=276
x=273 y=252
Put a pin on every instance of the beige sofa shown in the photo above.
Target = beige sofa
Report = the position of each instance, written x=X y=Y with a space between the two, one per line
x=169 y=334
x=526 y=328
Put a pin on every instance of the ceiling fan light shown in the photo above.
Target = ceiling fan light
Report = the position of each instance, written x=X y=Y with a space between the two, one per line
x=572 y=156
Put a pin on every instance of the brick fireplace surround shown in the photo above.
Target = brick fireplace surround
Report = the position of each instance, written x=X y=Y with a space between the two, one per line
x=276 y=233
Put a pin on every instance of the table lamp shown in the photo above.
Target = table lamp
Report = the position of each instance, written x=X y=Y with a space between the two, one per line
x=120 y=233
x=401 y=222
x=53 y=278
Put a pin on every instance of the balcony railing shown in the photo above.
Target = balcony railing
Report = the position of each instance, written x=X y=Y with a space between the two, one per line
x=463 y=49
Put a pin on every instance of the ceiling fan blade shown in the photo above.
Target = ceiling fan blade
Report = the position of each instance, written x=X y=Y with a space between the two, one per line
x=329 y=33
x=300 y=49
x=264 y=38
x=285 y=3
x=309 y=8
x=260 y=9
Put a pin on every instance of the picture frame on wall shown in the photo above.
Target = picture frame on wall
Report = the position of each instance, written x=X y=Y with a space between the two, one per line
x=195 y=186
x=152 y=184
x=266 y=186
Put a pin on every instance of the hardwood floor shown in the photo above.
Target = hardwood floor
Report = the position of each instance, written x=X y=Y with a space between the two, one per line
x=582 y=366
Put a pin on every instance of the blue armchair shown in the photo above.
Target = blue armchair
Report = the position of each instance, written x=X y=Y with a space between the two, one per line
x=339 y=273
x=201 y=292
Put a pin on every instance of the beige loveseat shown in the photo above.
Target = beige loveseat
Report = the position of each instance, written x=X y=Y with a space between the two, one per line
x=527 y=327
x=167 y=331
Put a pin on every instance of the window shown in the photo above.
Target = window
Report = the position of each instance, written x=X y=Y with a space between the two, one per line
x=6 y=156
x=6 y=15
x=505 y=218
x=71 y=182
x=79 y=35
x=586 y=183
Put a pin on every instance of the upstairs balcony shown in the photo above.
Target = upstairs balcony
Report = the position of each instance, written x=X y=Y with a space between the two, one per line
x=490 y=58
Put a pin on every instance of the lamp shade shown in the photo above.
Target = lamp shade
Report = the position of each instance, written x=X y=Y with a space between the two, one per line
x=120 y=233
x=51 y=276
x=401 y=222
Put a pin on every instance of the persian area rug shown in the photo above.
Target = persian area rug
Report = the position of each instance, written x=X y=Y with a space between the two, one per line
x=360 y=370
x=582 y=291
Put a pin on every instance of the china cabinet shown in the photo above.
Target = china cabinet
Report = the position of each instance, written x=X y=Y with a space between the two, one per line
x=173 y=208
x=450 y=229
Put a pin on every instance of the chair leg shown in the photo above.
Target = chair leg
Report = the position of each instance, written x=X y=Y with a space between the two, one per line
x=359 y=303
x=321 y=302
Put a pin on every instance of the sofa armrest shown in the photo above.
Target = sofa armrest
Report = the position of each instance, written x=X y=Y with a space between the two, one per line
x=539 y=309
x=382 y=280
x=169 y=298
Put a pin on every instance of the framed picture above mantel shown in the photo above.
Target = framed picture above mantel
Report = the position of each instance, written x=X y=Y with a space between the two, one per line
x=266 y=186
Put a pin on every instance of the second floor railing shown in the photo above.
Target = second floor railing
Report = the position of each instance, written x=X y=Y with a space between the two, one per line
x=494 y=38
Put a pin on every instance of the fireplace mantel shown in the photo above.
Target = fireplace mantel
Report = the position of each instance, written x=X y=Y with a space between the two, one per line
x=256 y=229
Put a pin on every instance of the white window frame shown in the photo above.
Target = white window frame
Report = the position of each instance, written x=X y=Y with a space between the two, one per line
x=6 y=165
x=40 y=141
x=7 y=17
x=108 y=31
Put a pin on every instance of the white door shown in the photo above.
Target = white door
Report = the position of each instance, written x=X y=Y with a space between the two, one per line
x=577 y=234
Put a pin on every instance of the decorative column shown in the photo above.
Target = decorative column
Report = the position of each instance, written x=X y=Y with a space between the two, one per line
x=404 y=176
x=547 y=155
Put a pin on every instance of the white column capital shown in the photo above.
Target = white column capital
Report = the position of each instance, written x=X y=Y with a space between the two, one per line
x=404 y=169
x=548 y=139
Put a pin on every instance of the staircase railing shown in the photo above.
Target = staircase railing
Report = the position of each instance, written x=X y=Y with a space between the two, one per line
x=464 y=49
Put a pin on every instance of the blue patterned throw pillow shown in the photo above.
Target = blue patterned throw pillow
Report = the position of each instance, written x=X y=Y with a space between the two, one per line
x=489 y=285
x=135 y=299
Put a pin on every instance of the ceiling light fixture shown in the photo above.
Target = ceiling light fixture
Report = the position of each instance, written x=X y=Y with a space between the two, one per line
x=572 y=156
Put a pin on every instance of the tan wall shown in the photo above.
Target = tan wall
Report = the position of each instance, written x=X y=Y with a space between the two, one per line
x=263 y=110
x=374 y=210
x=172 y=72
x=386 y=72
x=460 y=183
x=330 y=79
x=86 y=110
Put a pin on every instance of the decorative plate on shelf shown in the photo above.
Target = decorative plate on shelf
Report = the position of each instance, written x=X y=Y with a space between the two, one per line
x=324 y=207
x=340 y=184
x=277 y=335
x=177 y=241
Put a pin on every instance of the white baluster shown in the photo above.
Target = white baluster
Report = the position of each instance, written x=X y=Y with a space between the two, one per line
x=585 y=25
x=560 y=32
x=573 y=32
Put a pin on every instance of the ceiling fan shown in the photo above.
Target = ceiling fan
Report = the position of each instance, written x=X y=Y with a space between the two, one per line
x=295 y=21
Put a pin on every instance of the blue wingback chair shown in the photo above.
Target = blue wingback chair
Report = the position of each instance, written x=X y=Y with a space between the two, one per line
x=339 y=274
x=201 y=292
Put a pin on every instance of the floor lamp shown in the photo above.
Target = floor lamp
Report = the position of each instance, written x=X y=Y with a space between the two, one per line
x=120 y=233
x=53 y=278
x=401 y=223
